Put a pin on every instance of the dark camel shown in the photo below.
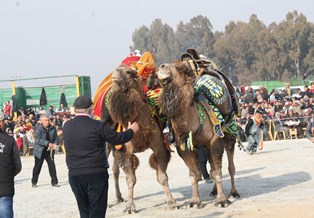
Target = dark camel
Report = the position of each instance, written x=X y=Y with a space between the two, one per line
x=178 y=102
x=126 y=104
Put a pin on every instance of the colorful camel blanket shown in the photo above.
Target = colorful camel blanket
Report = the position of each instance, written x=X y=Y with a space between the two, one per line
x=217 y=119
x=212 y=88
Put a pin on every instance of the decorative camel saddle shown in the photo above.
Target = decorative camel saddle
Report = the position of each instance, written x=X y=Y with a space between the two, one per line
x=213 y=89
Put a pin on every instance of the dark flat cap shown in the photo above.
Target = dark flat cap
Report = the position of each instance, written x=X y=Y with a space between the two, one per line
x=82 y=102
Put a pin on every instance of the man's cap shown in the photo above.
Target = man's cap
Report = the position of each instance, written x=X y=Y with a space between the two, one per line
x=82 y=102
x=1 y=116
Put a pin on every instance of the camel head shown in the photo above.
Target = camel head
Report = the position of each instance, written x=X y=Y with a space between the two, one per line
x=178 y=72
x=178 y=92
x=123 y=76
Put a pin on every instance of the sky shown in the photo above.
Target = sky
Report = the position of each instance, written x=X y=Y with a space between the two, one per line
x=43 y=38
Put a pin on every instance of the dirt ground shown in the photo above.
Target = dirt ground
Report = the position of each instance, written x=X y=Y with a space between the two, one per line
x=275 y=182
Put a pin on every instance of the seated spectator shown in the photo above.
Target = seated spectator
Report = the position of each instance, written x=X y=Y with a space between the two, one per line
x=277 y=106
x=306 y=92
x=279 y=124
x=296 y=106
x=306 y=107
x=297 y=95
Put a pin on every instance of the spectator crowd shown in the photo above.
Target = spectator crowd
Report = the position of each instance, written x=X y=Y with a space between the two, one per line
x=285 y=109
x=22 y=125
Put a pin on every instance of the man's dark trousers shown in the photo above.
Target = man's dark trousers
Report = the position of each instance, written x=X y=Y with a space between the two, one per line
x=91 y=193
x=202 y=159
x=51 y=166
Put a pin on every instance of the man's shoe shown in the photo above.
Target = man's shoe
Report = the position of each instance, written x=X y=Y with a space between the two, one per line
x=55 y=185
x=34 y=185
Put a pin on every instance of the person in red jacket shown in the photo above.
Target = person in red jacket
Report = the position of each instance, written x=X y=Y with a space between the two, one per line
x=7 y=109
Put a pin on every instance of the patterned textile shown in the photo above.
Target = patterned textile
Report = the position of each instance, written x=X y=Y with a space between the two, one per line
x=212 y=88
x=214 y=115
x=152 y=100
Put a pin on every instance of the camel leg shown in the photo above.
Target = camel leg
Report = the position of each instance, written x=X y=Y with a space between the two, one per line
x=191 y=162
x=159 y=161
x=229 y=147
x=216 y=152
x=129 y=168
x=116 y=173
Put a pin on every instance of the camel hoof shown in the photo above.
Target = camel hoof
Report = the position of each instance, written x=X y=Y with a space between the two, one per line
x=235 y=195
x=199 y=205
x=120 y=200
x=130 y=209
x=173 y=205
x=223 y=204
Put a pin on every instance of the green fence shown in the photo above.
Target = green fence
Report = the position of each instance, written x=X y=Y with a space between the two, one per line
x=30 y=96
x=270 y=85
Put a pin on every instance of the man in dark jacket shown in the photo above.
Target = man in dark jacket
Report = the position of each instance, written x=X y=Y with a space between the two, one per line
x=84 y=140
x=46 y=141
x=10 y=166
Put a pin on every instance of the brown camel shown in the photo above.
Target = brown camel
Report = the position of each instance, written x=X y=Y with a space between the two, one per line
x=127 y=104
x=178 y=102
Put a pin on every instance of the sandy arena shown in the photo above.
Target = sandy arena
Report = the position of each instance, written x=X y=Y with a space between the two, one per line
x=275 y=182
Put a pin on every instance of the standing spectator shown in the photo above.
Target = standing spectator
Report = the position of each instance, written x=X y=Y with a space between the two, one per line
x=62 y=108
x=7 y=109
x=84 y=140
x=288 y=89
x=18 y=138
x=249 y=95
x=10 y=166
x=50 y=112
x=253 y=131
x=264 y=93
x=45 y=138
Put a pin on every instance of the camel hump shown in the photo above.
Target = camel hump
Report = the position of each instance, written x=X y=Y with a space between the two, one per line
x=203 y=65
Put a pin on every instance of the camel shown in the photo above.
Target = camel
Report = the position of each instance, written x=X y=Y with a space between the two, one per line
x=178 y=102
x=126 y=104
